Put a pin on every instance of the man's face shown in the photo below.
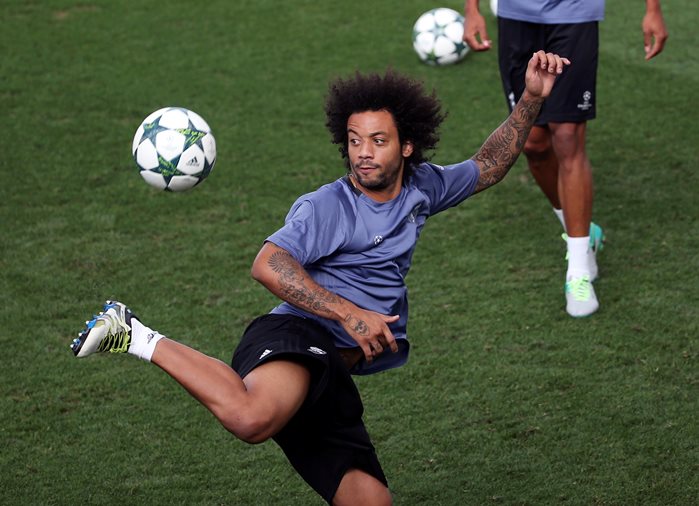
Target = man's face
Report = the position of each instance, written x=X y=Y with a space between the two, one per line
x=376 y=156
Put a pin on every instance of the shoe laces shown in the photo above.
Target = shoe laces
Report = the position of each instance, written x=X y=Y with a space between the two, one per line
x=580 y=288
x=118 y=337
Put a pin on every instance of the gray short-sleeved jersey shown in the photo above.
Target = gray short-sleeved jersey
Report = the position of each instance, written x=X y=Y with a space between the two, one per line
x=362 y=250
x=552 y=11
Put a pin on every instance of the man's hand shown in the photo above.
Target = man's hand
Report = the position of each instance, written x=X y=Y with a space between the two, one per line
x=475 y=34
x=370 y=330
x=654 y=32
x=542 y=70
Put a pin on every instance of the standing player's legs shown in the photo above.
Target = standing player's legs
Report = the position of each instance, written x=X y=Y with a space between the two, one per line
x=575 y=192
x=555 y=149
x=572 y=105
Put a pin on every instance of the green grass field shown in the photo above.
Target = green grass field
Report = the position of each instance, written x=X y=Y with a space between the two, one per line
x=506 y=399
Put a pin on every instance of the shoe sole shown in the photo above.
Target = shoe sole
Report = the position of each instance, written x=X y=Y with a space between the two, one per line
x=583 y=315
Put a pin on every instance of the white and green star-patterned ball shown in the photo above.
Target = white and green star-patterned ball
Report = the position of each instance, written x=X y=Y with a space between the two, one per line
x=174 y=149
x=438 y=37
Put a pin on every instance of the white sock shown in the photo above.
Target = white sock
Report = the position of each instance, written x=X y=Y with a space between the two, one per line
x=578 y=264
x=559 y=215
x=143 y=340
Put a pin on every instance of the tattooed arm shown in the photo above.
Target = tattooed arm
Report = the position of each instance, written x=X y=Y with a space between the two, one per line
x=499 y=153
x=282 y=275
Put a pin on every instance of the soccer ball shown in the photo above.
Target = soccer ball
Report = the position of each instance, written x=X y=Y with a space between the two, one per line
x=438 y=37
x=174 y=149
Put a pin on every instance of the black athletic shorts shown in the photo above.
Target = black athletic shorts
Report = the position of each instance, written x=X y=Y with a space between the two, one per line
x=327 y=436
x=573 y=98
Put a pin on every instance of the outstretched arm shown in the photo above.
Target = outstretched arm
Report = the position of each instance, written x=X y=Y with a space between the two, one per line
x=282 y=275
x=654 y=31
x=500 y=151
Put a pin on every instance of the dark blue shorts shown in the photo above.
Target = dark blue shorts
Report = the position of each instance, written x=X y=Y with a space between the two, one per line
x=573 y=97
x=327 y=436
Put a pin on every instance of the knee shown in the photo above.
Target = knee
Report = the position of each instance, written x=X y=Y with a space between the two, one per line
x=250 y=427
x=568 y=140
x=538 y=148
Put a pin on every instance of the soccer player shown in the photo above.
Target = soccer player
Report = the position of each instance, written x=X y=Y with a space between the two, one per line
x=555 y=149
x=338 y=264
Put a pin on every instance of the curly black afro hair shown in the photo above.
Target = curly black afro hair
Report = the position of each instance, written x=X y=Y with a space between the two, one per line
x=417 y=114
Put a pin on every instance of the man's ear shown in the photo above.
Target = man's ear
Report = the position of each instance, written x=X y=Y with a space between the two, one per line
x=407 y=149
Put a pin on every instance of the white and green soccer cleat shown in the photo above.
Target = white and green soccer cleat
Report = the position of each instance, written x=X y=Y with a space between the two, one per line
x=580 y=297
x=109 y=331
